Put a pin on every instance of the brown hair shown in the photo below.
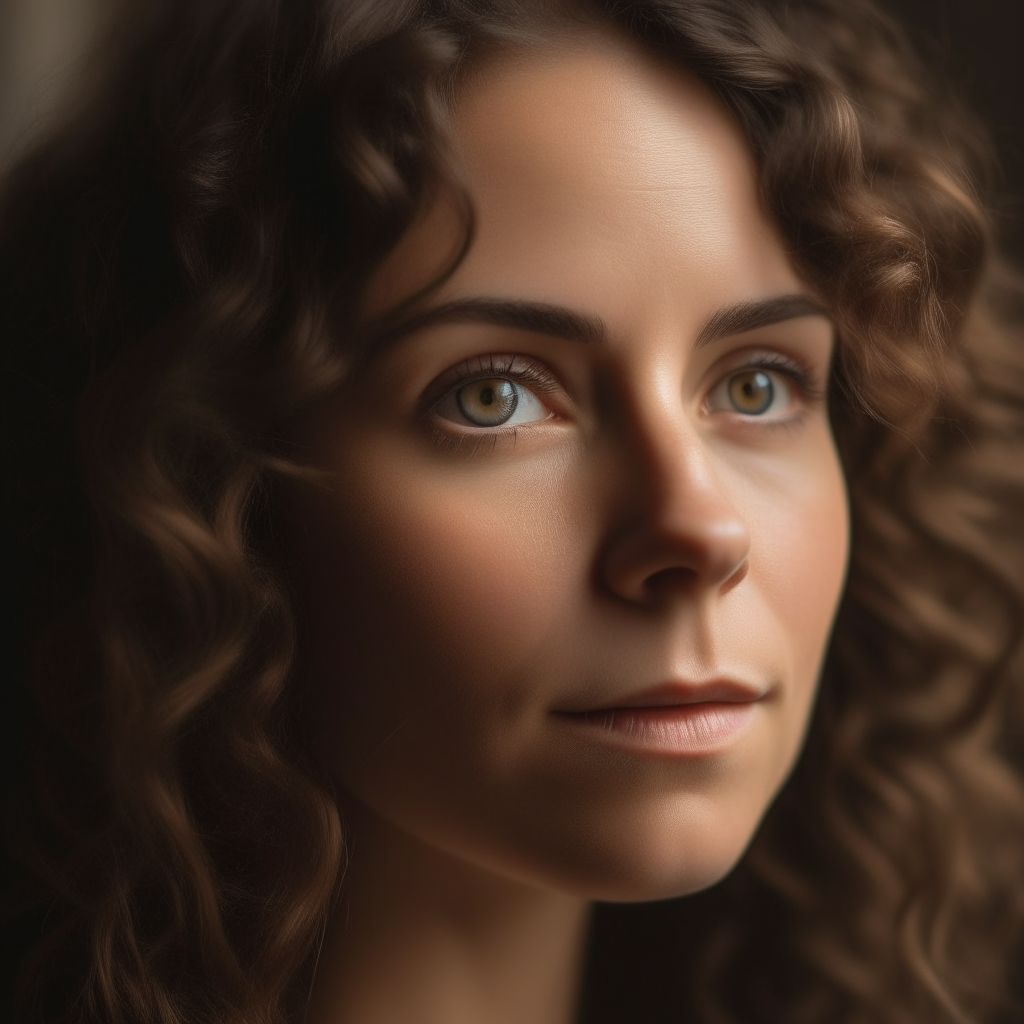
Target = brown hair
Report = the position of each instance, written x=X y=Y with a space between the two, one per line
x=179 y=263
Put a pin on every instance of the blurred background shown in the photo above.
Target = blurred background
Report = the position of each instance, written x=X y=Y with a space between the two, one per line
x=977 y=45
x=40 y=41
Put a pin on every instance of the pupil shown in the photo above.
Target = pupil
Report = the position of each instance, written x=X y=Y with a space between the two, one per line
x=487 y=396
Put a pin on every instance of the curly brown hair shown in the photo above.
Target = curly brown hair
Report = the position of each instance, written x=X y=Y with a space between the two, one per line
x=178 y=264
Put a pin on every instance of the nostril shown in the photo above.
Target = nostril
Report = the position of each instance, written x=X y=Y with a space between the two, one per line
x=680 y=578
x=671 y=579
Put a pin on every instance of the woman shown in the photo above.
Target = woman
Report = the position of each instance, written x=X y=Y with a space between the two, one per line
x=479 y=409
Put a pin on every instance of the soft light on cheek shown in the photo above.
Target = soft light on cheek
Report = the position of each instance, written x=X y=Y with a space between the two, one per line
x=438 y=588
x=802 y=549
x=468 y=564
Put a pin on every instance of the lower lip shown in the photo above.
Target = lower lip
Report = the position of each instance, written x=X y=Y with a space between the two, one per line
x=683 y=730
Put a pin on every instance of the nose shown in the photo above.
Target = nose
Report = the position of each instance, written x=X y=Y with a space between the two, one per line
x=679 y=531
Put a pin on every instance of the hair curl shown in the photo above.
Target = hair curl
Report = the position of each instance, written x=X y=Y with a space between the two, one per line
x=178 y=264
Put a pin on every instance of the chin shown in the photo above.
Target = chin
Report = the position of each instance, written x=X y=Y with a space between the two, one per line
x=658 y=858
x=652 y=874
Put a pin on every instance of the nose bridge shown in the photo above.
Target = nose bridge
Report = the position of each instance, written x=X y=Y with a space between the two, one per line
x=681 y=530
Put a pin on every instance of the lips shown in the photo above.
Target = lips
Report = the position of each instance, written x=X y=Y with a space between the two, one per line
x=681 y=719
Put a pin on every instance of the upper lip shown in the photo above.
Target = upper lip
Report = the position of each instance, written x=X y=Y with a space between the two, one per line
x=677 y=693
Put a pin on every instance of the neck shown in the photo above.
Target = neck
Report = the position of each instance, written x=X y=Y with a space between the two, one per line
x=421 y=935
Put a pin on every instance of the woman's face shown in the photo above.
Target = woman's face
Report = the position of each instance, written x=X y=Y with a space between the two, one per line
x=567 y=600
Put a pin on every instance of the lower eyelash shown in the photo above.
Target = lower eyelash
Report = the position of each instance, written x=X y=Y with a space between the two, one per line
x=472 y=443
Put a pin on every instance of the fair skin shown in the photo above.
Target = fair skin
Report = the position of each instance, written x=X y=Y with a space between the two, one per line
x=567 y=601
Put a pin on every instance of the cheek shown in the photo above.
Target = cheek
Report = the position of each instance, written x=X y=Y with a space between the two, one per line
x=808 y=566
x=475 y=561
x=430 y=589
x=799 y=555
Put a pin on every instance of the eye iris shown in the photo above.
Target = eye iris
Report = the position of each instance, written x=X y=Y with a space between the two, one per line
x=488 y=403
x=751 y=392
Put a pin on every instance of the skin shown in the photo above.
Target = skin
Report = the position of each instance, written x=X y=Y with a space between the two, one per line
x=463 y=585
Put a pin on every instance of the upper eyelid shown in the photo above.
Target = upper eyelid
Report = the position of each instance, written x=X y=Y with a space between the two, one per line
x=802 y=370
x=750 y=354
x=497 y=365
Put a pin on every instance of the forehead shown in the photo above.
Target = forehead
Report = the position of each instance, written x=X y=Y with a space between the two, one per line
x=605 y=180
x=535 y=120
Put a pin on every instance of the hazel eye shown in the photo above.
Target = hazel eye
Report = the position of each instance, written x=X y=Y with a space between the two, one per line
x=488 y=403
x=492 y=402
x=752 y=392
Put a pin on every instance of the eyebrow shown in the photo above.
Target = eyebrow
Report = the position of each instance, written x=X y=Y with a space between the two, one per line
x=517 y=314
x=748 y=316
x=589 y=329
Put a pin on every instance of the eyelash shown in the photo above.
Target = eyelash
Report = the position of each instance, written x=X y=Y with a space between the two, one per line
x=801 y=374
x=539 y=379
x=520 y=369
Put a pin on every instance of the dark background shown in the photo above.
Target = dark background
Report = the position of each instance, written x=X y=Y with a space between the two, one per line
x=978 y=47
